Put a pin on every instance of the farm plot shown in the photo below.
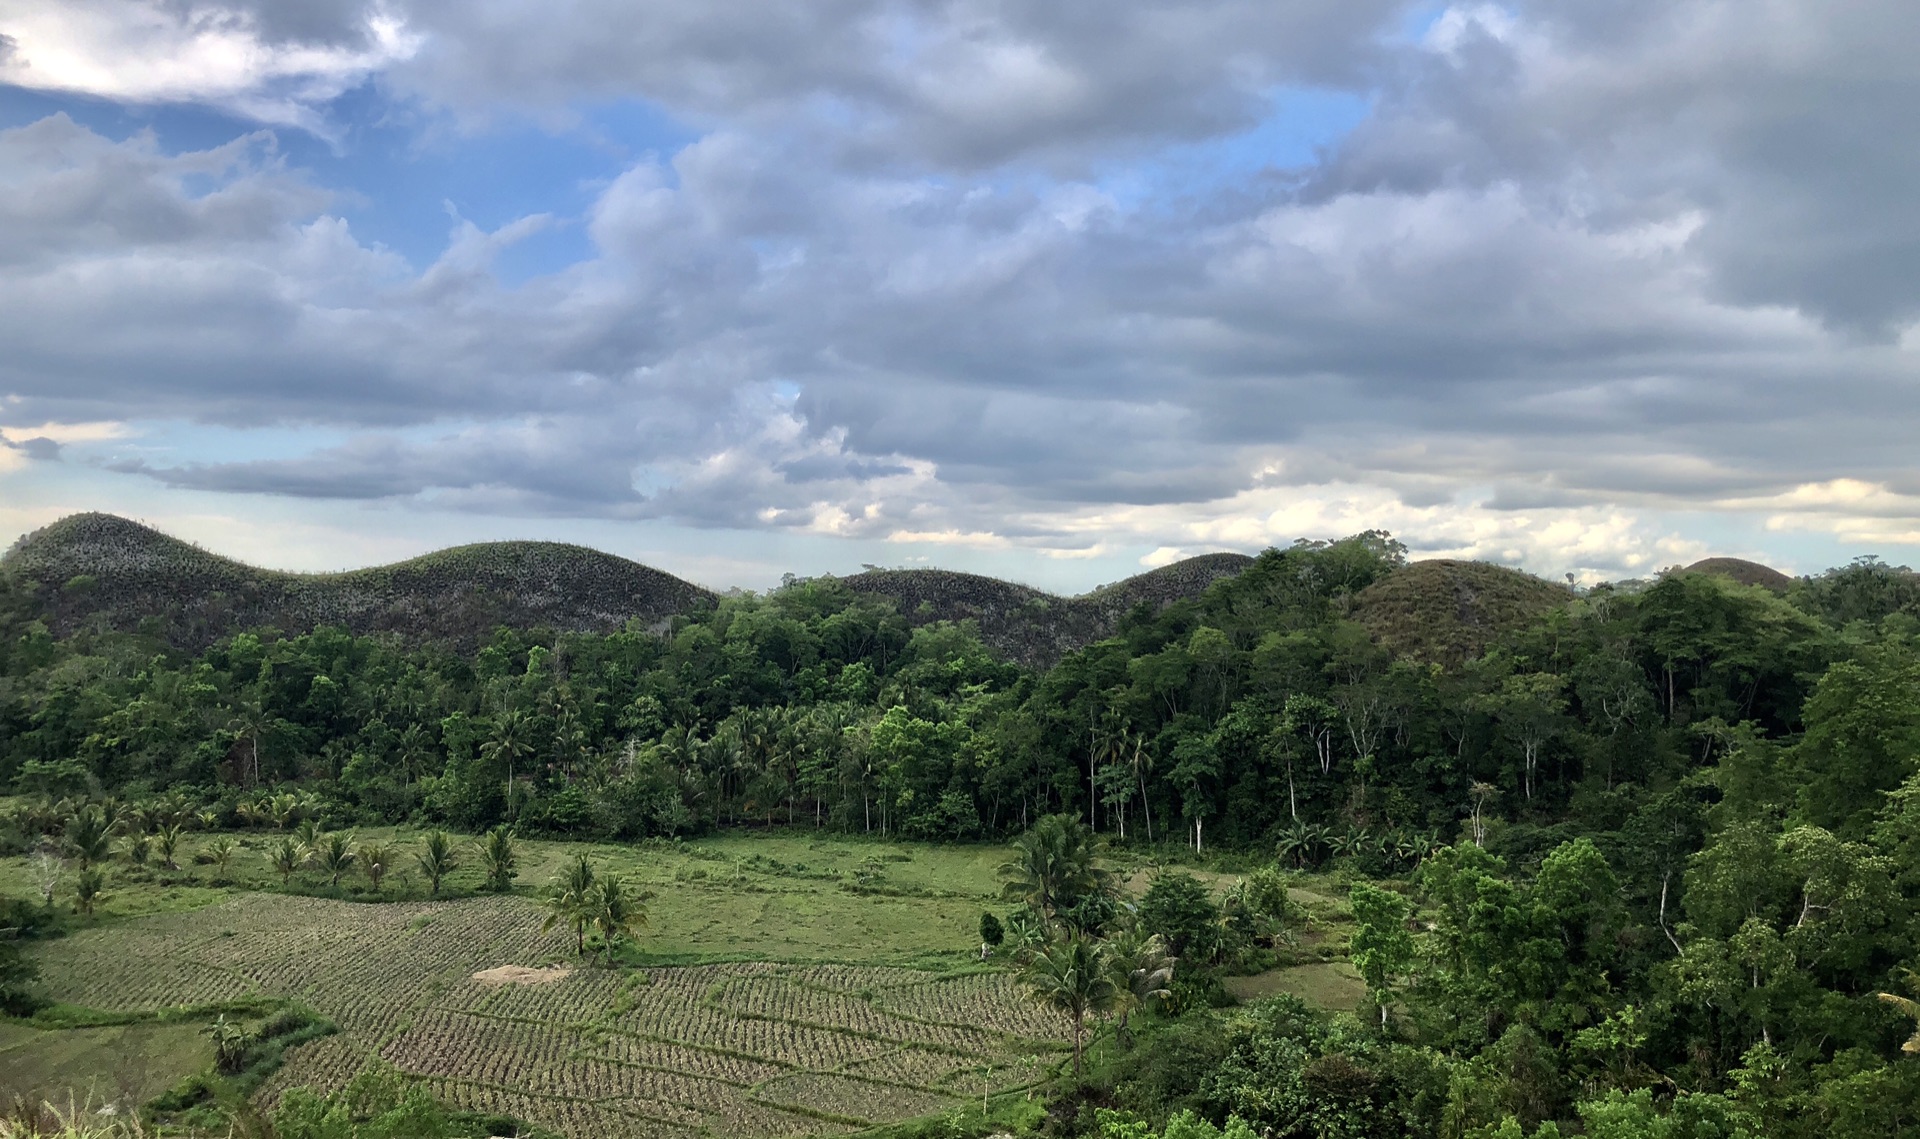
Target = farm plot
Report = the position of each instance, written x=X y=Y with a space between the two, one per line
x=753 y=1050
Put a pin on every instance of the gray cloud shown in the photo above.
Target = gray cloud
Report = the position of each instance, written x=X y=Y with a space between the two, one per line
x=1580 y=255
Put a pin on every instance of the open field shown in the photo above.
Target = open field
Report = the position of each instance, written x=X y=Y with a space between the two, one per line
x=120 y=1063
x=794 y=984
x=742 y=1049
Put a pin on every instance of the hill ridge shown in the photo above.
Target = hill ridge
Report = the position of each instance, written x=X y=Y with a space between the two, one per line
x=93 y=569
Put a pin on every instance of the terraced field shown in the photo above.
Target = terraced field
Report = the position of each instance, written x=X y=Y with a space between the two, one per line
x=759 y=1050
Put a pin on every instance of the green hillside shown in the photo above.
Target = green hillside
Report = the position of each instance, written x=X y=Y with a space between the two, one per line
x=99 y=570
x=1447 y=611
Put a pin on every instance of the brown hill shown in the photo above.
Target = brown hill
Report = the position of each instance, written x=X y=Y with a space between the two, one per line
x=1446 y=611
x=99 y=570
x=1744 y=572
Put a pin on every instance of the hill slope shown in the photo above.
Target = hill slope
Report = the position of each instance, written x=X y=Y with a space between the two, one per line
x=1445 y=611
x=1031 y=626
x=90 y=569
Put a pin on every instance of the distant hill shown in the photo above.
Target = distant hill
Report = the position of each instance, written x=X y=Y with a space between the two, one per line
x=1032 y=626
x=1446 y=611
x=99 y=569
x=1744 y=572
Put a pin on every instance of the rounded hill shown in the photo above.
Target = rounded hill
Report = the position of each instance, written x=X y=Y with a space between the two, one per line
x=1744 y=572
x=99 y=570
x=1032 y=626
x=1446 y=611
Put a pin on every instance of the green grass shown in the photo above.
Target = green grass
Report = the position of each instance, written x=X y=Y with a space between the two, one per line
x=787 y=895
x=1330 y=985
x=782 y=987
x=120 y=1064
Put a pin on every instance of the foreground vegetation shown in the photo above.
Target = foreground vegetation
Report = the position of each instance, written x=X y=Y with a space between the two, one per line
x=1640 y=861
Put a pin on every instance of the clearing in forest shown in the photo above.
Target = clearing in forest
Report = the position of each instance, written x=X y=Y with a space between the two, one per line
x=747 y=1049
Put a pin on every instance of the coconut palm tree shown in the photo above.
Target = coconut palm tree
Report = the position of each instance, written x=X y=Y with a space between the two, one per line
x=88 y=890
x=335 y=856
x=138 y=847
x=437 y=859
x=287 y=857
x=376 y=858
x=250 y=722
x=616 y=913
x=1072 y=976
x=221 y=851
x=1142 y=969
x=89 y=837
x=501 y=859
x=571 y=901
x=512 y=739
x=1052 y=867
x=167 y=842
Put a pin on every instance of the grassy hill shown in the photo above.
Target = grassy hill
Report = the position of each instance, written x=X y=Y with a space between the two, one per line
x=100 y=570
x=103 y=571
x=1031 y=626
x=1744 y=572
x=1446 y=611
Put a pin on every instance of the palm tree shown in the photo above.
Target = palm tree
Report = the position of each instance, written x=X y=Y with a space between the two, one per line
x=1909 y=1008
x=287 y=858
x=501 y=859
x=221 y=851
x=251 y=721
x=376 y=858
x=437 y=860
x=88 y=835
x=1295 y=845
x=571 y=901
x=1071 y=976
x=138 y=847
x=167 y=840
x=335 y=856
x=88 y=889
x=616 y=913
x=1052 y=866
x=511 y=740
x=1142 y=970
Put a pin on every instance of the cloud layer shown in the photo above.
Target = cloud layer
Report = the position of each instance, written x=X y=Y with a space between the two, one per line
x=924 y=273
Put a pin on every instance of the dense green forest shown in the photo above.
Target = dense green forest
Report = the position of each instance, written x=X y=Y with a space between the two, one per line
x=1647 y=861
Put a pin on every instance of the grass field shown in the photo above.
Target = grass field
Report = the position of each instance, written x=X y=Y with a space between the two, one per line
x=802 y=986
x=790 y=984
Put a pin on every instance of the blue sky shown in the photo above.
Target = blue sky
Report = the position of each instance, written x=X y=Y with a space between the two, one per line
x=1055 y=292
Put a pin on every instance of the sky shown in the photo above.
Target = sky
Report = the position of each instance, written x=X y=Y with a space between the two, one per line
x=1056 y=291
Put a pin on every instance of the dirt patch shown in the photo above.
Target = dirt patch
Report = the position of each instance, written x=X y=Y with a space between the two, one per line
x=521 y=975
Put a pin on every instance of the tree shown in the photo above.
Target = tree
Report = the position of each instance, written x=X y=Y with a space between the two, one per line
x=167 y=841
x=286 y=858
x=1072 y=976
x=510 y=740
x=992 y=933
x=1380 y=945
x=501 y=859
x=571 y=900
x=221 y=851
x=89 y=837
x=1178 y=907
x=616 y=913
x=375 y=860
x=1142 y=970
x=436 y=859
x=1052 y=868
x=89 y=888
x=335 y=855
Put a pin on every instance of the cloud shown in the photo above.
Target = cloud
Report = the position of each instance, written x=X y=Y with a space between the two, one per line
x=276 y=63
x=1575 y=273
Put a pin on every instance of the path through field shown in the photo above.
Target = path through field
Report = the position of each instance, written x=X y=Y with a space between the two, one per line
x=756 y=1050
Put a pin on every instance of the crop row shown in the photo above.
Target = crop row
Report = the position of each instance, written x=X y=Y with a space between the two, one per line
x=848 y=1097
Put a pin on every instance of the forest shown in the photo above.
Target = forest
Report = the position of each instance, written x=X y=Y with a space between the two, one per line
x=1643 y=865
